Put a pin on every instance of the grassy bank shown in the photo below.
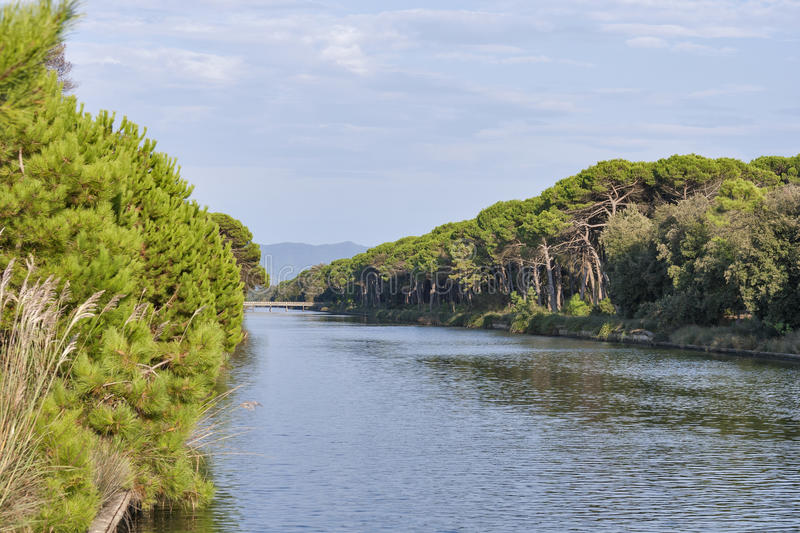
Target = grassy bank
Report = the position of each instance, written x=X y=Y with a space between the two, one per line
x=742 y=336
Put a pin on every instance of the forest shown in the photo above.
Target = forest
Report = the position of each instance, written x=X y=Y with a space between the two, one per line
x=674 y=245
x=120 y=299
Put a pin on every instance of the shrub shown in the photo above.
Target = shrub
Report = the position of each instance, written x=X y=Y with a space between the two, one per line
x=606 y=330
x=577 y=307
x=604 y=307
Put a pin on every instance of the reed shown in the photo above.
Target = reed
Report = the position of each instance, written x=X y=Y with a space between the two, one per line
x=36 y=340
x=112 y=470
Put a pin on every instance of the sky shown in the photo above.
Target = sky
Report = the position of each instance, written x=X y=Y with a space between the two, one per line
x=323 y=121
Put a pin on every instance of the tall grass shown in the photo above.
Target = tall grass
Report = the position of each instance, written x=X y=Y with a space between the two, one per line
x=36 y=339
x=112 y=471
x=740 y=336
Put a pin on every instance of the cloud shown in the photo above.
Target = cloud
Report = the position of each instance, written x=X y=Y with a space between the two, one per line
x=186 y=66
x=676 y=30
x=684 y=46
x=727 y=90
x=702 y=49
x=458 y=26
x=618 y=90
x=494 y=59
x=455 y=91
x=170 y=65
x=522 y=60
x=684 y=129
x=647 y=42
x=343 y=48
x=557 y=103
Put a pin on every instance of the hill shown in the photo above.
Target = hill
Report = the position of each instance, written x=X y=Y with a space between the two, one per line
x=284 y=261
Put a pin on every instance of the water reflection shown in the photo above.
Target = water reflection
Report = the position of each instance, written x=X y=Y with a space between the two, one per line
x=622 y=386
x=395 y=428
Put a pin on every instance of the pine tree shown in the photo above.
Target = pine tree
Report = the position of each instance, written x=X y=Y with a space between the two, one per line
x=97 y=206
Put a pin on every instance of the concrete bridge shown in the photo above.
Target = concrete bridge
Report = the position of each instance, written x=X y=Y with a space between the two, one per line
x=284 y=305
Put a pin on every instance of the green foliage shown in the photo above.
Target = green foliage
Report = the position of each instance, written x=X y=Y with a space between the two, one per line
x=605 y=307
x=633 y=267
x=523 y=309
x=767 y=268
x=698 y=255
x=683 y=240
x=577 y=307
x=737 y=196
x=29 y=32
x=606 y=330
x=247 y=253
x=786 y=168
x=73 y=498
x=97 y=205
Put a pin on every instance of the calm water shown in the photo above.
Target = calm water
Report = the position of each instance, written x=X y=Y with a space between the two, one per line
x=401 y=428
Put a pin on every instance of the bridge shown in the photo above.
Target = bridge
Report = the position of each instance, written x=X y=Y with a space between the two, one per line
x=284 y=305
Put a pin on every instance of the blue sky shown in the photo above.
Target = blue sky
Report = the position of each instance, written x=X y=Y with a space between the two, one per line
x=323 y=121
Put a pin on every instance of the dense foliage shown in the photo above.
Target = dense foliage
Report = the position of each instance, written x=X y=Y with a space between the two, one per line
x=684 y=240
x=96 y=205
x=247 y=253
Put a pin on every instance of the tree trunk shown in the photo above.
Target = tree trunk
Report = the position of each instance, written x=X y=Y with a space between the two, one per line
x=601 y=293
x=582 y=289
x=597 y=265
x=550 y=284
x=502 y=279
x=592 y=284
x=537 y=284
x=559 y=288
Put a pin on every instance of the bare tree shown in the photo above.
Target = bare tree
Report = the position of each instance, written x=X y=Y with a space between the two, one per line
x=57 y=62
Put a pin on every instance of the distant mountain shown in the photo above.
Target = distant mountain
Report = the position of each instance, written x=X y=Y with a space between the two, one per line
x=287 y=259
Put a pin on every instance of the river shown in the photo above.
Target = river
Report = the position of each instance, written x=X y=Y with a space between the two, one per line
x=403 y=428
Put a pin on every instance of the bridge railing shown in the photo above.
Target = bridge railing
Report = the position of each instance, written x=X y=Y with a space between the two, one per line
x=286 y=305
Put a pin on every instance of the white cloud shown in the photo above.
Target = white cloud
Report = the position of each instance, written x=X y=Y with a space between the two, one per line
x=702 y=49
x=647 y=42
x=168 y=65
x=493 y=59
x=683 y=46
x=457 y=26
x=683 y=129
x=482 y=90
x=343 y=48
x=559 y=103
x=726 y=91
x=618 y=90
x=181 y=65
x=521 y=60
x=676 y=30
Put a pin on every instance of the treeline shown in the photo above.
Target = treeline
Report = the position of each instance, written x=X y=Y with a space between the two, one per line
x=683 y=240
x=91 y=203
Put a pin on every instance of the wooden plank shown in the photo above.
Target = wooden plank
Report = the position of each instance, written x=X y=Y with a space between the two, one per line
x=111 y=514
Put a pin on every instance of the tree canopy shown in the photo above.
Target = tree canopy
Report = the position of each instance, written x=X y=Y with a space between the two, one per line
x=246 y=252
x=685 y=239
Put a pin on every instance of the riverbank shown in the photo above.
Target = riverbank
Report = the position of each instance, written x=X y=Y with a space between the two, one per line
x=604 y=328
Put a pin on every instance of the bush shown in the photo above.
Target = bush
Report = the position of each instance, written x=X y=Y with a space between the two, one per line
x=605 y=307
x=577 y=307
